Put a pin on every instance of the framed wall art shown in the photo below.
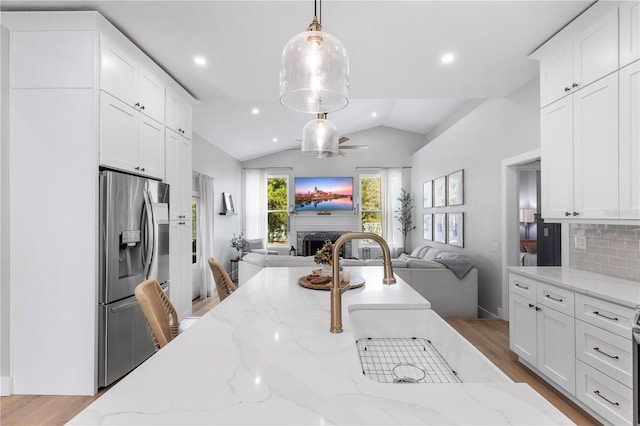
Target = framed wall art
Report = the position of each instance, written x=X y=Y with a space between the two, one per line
x=440 y=192
x=428 y=226
x=428 y=194
x=440 y=227
x=455 y=229
x=455 y=188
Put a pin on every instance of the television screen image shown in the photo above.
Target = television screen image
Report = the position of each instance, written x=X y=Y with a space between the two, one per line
x=323 y=193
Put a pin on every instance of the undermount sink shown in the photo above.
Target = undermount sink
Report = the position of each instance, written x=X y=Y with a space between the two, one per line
x=412 y=344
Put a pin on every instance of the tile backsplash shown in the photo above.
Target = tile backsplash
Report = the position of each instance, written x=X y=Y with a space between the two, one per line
x=612 y=250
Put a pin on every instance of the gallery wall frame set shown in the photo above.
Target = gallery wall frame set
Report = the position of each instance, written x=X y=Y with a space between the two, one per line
x=446 y=228
x=444 y=191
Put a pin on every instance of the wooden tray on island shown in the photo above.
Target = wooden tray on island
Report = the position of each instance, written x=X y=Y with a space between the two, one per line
x=318 y=282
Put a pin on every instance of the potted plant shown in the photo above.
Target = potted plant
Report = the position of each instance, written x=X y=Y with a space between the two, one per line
x=238 y=242
x=404 y=215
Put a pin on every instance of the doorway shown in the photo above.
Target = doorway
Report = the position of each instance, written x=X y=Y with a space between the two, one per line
x=528 y=212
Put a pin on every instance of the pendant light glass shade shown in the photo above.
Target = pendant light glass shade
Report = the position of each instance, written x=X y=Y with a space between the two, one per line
x=320 y=138
x=314 y=73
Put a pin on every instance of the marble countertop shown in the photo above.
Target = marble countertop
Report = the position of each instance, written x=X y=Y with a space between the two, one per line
x=615 y=290
x=265 y=356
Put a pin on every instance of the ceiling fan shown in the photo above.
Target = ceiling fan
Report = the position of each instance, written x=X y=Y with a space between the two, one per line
x=341 y=147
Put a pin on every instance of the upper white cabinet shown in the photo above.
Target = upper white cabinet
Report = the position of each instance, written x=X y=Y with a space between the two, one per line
x=582 y=53
x=36 y=63
x=579 y=145
x=179 y=116
x=129 y=140
x=124 y=78
x=629 y=145
x=629 y=32
x=178 y=175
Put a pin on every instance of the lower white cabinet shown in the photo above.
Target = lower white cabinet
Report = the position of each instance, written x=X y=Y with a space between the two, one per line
x=180 y=266
x=607 y=397
x=580 y=342
x=542 y=336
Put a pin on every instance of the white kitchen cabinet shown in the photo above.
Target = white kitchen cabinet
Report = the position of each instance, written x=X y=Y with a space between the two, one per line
x=582 y=53
x=180 y=266
x=122 y=77
x=540 y=335
x=556 y=349
x=579 y=141
x=629 y=32
x=178 y=175
x=629 y=142
x=130 y=141
x=602 y=394
x=178 y=114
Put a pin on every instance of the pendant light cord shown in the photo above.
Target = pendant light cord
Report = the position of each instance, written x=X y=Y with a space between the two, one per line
x=315 y=11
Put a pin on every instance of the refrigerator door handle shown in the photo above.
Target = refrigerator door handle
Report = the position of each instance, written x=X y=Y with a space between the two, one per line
x=125 y=306
x=150 y=235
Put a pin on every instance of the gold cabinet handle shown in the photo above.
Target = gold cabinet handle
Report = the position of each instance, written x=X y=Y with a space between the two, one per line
x=575 y=213
x=567 y=214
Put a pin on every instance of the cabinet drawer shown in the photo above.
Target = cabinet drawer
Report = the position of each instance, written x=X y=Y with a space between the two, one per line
x=603 y=314
x=604 y=395
x=556 y=298
x=523 y=286
x=605 y=351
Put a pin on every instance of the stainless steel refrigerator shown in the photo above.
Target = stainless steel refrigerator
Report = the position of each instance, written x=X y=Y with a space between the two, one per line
x=134 y=246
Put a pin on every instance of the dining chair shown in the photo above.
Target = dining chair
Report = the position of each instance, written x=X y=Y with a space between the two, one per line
x=160 y=313
x=224 y=284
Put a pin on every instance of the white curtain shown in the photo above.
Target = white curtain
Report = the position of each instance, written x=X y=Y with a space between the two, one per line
x=390 y=190
x=205 y=234
x=255 y=202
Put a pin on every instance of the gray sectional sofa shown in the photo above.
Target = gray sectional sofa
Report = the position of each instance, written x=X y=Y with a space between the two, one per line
x=423 y=270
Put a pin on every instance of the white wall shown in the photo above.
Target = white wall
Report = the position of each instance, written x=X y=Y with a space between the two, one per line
x=497 y=129
x=226 y=172
x=5 y=336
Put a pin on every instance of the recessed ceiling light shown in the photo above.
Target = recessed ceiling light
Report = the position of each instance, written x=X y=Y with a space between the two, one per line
x=255 y=111
x=275 y=139
x=199 y=60
x=374 y=114
x=447 y=58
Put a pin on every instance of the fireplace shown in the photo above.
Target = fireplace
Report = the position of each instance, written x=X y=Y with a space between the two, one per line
x=310 y=242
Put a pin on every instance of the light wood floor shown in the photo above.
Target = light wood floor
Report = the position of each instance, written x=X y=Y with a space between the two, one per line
x=489 y=336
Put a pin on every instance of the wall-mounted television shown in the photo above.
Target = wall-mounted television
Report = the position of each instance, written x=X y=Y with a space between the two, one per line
x=323 y=193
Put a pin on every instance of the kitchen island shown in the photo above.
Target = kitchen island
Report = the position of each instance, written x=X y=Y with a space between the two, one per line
x=265 y=356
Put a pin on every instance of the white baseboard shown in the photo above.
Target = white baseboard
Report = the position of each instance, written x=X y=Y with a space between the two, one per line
x=6 y=386
x=483 y=313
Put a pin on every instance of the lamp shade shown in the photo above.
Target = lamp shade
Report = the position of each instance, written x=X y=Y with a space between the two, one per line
x=527 y=215
x=314 y=73
x=320 y=138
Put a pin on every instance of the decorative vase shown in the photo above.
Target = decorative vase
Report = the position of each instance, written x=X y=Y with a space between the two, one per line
x=327 y=270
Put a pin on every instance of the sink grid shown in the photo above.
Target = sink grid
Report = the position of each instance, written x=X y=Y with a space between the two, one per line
x=403 y=360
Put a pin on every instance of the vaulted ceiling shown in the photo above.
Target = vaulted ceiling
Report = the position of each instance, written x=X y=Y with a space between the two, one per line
x=394 y=48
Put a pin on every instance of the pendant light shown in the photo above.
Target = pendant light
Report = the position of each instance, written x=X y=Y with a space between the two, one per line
x=314 y=73
x=320 y=138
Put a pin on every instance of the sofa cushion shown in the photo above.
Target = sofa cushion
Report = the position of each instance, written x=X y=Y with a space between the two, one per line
x=255 y=244
x=424 y=264
x=396 y=263
x=290 y=261
x=352 y=262
x=431 y=254
x=419 y=251
x=255 y=259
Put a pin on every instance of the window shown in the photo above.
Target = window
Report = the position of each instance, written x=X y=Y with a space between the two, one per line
x=194 y=229
x=277 y=210
x=370 y=207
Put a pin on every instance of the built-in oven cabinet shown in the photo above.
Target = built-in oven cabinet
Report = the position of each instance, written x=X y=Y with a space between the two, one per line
x=604 y=395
